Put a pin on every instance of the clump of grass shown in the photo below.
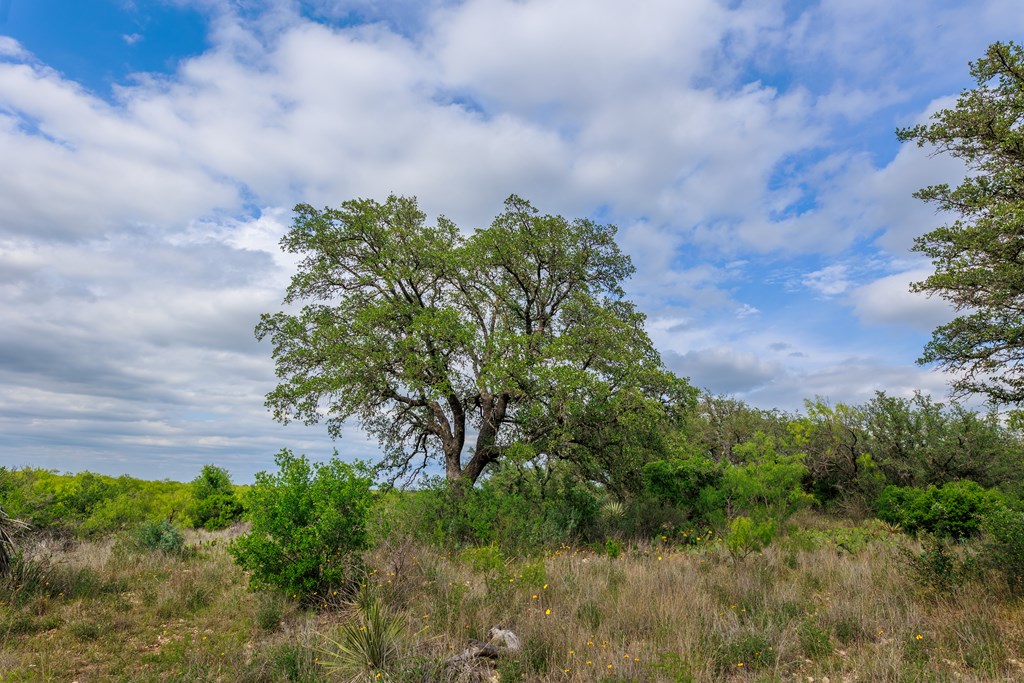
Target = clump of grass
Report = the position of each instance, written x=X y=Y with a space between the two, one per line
x=269 y=611
x=815 y=641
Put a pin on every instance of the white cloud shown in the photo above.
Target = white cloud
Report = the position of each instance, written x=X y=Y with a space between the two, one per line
x=9 y=47
x=828 y=281
x=133 y=264
x=888 y=300
x=722 y=370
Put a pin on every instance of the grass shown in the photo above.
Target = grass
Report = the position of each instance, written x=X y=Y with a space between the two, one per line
x=804 y=607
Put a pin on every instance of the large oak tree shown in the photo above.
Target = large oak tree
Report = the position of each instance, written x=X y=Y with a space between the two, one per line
x=516 y=336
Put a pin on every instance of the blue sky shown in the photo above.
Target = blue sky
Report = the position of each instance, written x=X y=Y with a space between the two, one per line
x=746 y=150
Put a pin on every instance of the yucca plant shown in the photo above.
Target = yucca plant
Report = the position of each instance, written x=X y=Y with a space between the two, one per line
x=8 y=526
x=368 y=648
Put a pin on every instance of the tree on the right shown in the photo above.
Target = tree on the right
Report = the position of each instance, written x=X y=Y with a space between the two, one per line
x=979 y=256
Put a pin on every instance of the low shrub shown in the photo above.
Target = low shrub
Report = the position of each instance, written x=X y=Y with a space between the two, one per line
x=308 y=526
x=484 y=559
x=941 y=566
x=368 y=648
x=1004 y=545
x=954 y=510
x=744 y=536
x=160 y=536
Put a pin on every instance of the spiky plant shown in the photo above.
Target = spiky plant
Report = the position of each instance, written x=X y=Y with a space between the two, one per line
x=366 y=647
x=8 y=527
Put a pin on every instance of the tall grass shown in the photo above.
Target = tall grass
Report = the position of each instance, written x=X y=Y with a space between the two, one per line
x=827 y=600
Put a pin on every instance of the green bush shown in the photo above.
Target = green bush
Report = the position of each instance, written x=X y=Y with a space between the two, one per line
x=688 y=484
x=160 y=536
x=483 y=559
x=518 y=511
x=744 y=536
x=940 y=567
x=1004 y=545
x=954 y=510
x=767 y=484
x=215 y=505
x=308 y=525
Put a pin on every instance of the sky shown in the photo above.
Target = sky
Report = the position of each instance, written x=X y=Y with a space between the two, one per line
x=153 y=150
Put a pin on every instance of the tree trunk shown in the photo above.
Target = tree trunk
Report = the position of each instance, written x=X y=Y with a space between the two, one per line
x=494 y=410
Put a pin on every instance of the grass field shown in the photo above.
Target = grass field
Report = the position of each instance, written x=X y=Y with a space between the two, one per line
x=827 y=601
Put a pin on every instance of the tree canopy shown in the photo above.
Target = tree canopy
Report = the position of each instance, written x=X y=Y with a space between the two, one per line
x=979 y=257
x=517 y=337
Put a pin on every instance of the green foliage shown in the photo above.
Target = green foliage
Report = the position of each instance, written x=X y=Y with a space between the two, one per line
x=308 y=524
x=744 y=536
x=160 y=536
x=834 y=441
x=517 y=508
x=215 y=505
x=716 y=425
x=977 y=256
x=612 y=548
x=918 y=442
x=1004 y=544
x=484 y=559
x=519 y=332
x=768 y=484
x=853 y=452
x=745 y=651
x=89 y=504
x=940 y=567
x=689 y=484
x=953 y=510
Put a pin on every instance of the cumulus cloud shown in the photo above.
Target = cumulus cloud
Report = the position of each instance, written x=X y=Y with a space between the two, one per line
x=722 y=370
x=139 y=240
x=888 y=300
x=828 y=281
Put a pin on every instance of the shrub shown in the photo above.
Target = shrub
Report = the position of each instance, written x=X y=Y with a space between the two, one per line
x=744 y=536
x=517 y=511
x=215 y=505
x=612 y=548
x=939 y=566
x=768 y=485
x=484 y=559
x=308 y=524
x=685 y=483
x=160 y=536
x=953 y=510
x=1004 y=546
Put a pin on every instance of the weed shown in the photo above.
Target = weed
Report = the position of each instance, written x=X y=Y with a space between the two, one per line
x=746 y=650
x=590 y=614
x=815 y=641
x=674 y=667
x=269 y=611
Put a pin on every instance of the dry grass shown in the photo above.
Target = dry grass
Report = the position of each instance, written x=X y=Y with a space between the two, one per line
x=800 y=610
